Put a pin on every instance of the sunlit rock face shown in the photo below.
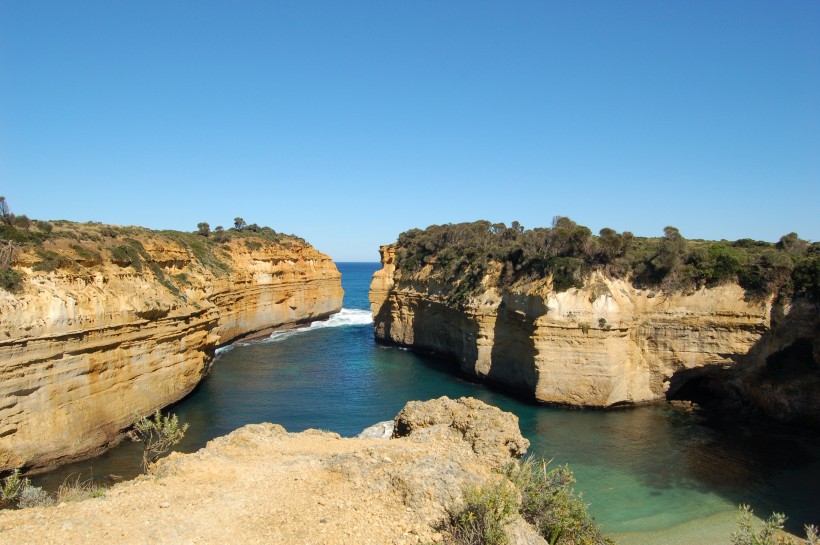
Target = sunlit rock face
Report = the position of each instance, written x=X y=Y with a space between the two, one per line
x=87 y=347
x=605 y=344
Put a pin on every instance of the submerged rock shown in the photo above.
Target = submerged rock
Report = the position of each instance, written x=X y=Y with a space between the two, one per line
x=381 y=430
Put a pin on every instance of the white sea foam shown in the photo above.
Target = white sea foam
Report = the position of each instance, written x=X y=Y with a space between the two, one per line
x=223 y=349
x=346 y=317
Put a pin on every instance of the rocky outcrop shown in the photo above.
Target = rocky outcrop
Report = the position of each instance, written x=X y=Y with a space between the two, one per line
x=260 y=484
x=105 y=329
x=604 y=345
x=493 y=434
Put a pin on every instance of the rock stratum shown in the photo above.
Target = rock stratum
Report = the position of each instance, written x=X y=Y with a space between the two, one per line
x=610 y=343
x=261 y=484
x=112 y=323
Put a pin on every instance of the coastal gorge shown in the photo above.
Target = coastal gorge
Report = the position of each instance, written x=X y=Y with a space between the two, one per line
x=568 y=318
x=104 y=324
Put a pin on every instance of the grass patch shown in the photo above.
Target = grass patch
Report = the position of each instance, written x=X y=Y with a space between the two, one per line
x=87 y=255
x=51 y=261
x=77 y=490
x=127 y=255
x=10 y=280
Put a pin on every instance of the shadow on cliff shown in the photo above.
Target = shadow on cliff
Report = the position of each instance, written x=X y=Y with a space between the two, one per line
x=778 y=379
x=512 y=360
x=767 y=404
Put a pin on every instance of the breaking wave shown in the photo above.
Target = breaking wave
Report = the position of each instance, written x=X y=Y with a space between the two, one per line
x=346 y=317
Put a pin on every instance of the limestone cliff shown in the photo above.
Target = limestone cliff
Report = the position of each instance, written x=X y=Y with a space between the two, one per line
x=111 y=323
x=260 y=484
x=603 y=345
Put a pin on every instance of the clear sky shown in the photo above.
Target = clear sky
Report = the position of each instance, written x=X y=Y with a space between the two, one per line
x=349 y=122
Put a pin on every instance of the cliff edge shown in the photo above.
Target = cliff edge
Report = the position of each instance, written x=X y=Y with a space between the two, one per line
x=110 y=323
x=598 y=340
x=260 y=484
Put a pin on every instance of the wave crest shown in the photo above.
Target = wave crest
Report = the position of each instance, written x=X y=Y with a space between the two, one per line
x=345 y=317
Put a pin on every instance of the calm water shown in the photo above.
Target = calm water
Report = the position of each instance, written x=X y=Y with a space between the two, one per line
x=650 y=473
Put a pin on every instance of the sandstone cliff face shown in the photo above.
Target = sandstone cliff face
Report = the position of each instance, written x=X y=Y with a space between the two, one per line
x=88 y=346
x=260 y=484
x=603 y=345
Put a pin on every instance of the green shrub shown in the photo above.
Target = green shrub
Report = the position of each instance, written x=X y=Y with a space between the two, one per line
x=22 y=222
x=11 y=486
x=87 y=254
x=253 y=245
x=769 y=533
x=486 y=511
x=157 y=434
x=108 y=231
x=550 y=505
x=128 y=255
x=10 y=280
x=44 y=226
x=51 y=261
x=457 y=258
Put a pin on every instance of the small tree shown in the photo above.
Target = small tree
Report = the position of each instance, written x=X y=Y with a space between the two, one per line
x=22 y=222
x=157 y=434
x=203 y=229
x=5 y=212
x=219 y=234
x=239 y=223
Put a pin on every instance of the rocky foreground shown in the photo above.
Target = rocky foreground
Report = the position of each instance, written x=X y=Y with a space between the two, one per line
x=261 y=484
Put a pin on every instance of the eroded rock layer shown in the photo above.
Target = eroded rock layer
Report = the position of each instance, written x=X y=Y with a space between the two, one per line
x=86 y=347
x=608 y=343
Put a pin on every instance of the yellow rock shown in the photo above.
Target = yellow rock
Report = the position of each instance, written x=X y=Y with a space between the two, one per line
x=87 y=347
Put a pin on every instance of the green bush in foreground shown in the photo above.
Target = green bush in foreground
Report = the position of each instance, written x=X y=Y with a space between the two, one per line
x=543 y=497
x=486 y=511
x=770 y=533
x=550 y=504
x=157 y=434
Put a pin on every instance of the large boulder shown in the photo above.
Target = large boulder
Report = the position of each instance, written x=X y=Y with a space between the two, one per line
x=493 y=434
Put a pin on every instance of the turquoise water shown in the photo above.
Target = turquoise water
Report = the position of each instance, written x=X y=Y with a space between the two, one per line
x=650 y=473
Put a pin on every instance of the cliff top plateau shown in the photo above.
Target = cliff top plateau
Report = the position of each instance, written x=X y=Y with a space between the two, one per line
x=260 y=484
x=565 y=254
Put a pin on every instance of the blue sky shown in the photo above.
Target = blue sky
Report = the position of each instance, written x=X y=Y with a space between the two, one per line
x=349 y=122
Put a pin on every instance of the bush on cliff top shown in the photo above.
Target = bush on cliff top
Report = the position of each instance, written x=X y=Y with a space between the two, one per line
x=459 y=256
x=543 y=497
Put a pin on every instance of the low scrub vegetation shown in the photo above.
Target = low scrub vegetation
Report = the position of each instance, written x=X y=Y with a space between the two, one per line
x=61 y=244
x=543 y=497
x=17 y=491
x=770 y=532
x=460 y=257
x=158 y=434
